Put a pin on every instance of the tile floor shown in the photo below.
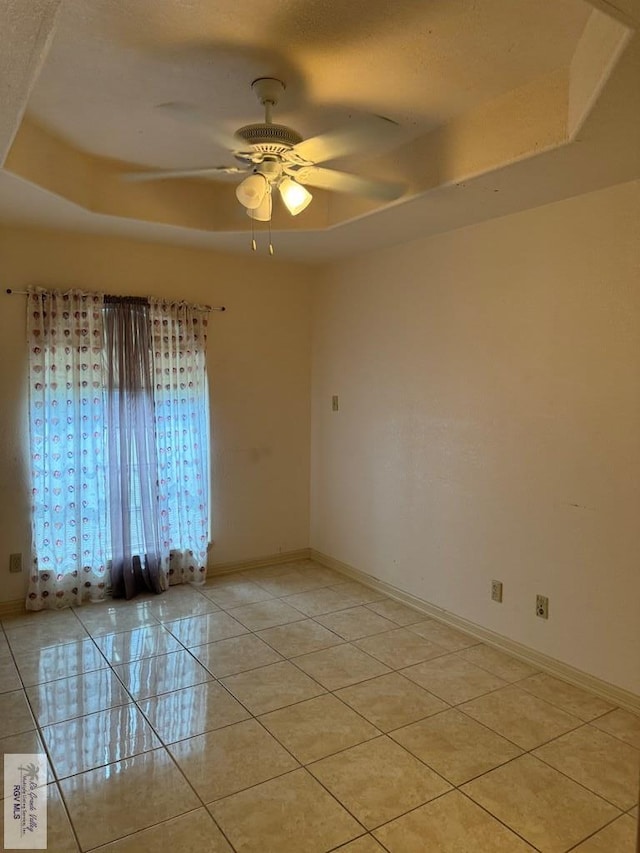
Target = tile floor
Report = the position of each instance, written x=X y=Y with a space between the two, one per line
x=290 y=710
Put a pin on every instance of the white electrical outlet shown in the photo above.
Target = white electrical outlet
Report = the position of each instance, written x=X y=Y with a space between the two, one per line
x=496 y=591
x=542 y=606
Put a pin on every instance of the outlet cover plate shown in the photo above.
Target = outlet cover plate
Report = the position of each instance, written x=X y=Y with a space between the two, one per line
x=496 y=591
x=542 y=606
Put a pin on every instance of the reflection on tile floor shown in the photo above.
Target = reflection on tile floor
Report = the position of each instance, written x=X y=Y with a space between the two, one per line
x=285 y=709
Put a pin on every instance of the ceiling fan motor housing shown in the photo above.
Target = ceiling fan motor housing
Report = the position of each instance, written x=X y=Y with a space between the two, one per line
x=270 y=138
x=267 y=138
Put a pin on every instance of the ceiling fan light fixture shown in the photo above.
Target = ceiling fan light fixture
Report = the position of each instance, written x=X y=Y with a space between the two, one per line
x=263 y=212
x=296 y=198
x=252 y=191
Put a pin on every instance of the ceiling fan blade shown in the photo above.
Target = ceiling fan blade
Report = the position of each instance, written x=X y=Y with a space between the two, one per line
x=163 y=174
x=187 y=112
x=367 y=131
x=343 y=182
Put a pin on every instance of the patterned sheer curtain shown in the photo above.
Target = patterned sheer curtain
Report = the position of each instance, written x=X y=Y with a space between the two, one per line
x=119 y=428
x=182 y=435
x=68 y=449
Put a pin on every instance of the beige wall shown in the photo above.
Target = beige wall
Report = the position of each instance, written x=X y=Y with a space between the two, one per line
x=489 y=424
x=258 y=368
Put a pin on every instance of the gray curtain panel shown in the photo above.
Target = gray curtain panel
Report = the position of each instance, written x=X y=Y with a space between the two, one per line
x=137 y=562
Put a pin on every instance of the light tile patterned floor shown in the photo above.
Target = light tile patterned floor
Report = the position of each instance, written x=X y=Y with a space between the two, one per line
x=287 y=709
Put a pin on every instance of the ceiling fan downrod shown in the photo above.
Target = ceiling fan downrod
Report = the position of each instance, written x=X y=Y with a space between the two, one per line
x=268 y=91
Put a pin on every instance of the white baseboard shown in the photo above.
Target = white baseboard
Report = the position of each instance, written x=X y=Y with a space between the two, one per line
x=617 y=695
x=12 y=608
x=270 y=560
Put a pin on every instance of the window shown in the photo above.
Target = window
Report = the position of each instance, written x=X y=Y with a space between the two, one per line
x=119 y=443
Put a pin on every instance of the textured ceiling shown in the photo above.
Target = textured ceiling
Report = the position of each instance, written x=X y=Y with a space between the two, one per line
x=112 y=62
x=501 y=105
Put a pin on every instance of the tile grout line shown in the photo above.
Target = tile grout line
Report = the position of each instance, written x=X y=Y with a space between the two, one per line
x=387 y=734
x=328 y=692
x=620 y=809
x=300 y=766
x=458 y=787
x=49 y=759
x=510 y=683
x=43 y=740
x=500 y=821
x=582 y=841
x=164 y=748
x=269 y=734
x=255 y=717
x=383 y=734
x=152 y=826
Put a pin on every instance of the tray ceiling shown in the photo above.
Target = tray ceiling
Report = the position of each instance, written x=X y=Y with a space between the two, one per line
x=477 y=86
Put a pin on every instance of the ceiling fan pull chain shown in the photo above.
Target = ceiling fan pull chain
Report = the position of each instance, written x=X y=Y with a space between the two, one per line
x=270 y=243
x=253 y=237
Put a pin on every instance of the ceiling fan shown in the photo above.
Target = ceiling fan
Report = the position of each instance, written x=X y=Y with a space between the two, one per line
x=275 y=157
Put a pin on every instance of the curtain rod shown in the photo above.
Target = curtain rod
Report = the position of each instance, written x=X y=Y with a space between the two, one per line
x=26 y=293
